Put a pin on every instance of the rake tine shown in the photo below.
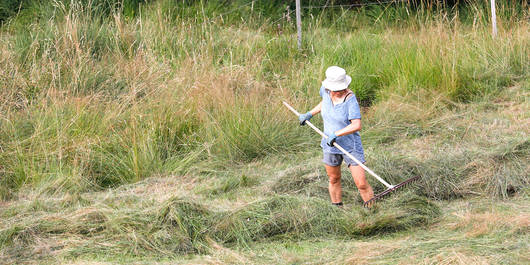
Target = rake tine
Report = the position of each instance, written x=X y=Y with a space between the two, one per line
x=371 y=202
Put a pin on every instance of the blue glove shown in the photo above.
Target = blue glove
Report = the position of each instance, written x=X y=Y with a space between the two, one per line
x=331 y=139
x=305 y=117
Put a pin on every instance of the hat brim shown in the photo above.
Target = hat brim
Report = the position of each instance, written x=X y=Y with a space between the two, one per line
x=337 y=86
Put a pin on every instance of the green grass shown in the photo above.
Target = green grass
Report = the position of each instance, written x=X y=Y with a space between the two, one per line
x=227 y=80
x=155 y=129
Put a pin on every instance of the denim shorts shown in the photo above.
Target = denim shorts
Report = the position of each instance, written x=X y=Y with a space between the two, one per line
x=336 y=159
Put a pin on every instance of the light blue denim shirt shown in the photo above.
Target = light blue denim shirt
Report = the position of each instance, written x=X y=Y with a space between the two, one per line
x=337 y=117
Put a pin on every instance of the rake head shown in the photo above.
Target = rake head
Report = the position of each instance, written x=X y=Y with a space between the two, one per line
x=371 y=202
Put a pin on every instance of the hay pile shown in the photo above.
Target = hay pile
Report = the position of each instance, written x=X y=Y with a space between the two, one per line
x=299 y=218
x=181 y=226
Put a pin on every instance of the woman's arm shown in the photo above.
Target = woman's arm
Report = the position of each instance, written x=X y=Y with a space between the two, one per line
x=354 y=126
x=316 y=110
x=307 y=116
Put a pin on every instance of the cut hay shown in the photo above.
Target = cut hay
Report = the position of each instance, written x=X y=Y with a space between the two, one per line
x=181 y=226
x=300 y=218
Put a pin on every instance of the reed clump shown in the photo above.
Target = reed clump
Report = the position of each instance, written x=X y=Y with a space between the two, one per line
x=96 y=96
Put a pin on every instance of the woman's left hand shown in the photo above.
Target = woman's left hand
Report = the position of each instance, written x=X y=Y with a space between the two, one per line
x=331 y=139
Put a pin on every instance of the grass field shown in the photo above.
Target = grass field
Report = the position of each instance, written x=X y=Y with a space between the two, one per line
x=153 y=132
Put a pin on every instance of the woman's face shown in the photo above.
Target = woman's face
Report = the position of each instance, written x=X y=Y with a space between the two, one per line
x=338 y=93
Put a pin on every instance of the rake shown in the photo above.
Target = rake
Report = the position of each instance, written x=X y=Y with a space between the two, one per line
x=390 y=188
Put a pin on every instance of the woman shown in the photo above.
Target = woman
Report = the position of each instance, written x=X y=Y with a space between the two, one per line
x=342 y=123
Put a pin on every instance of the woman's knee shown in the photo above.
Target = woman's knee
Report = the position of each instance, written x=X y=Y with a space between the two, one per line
x=334 y=180
x=333 y=174
x=363 y=186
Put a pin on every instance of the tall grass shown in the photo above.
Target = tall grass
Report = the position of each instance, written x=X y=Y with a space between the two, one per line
x=101 y=93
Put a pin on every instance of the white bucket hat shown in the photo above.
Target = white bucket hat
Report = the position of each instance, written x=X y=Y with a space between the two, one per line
x=336 y=79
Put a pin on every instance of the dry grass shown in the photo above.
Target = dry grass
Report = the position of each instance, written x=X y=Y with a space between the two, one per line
x=131 y=222
x=435 y=244
x=469 y=225
x=455 y=256
x=367 y=252
x=93 y=103
x=483 y=223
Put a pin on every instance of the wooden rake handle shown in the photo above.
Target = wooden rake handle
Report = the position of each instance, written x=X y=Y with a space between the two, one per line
x=341 y=149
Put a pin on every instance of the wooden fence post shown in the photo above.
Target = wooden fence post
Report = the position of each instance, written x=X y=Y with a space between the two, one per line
x=299 y=24
x=493 y=19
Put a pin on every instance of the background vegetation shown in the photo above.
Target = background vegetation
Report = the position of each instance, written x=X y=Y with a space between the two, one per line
x=99 y=95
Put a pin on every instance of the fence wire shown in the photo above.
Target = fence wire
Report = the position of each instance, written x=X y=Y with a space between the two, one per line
x=354 y=5
x=237 y=8
x=347 y=7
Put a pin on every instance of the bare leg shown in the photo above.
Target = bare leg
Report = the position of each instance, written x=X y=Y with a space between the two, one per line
x=359 y=178
x=335 y=191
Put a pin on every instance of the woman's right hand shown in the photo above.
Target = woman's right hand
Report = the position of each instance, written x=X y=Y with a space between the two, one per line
x=305 y=117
